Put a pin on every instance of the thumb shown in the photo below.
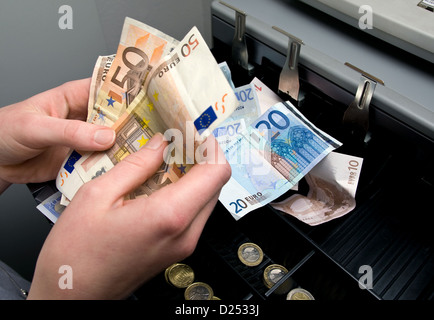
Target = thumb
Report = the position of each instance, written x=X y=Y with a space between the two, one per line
x=134 y=170
x=75 y=134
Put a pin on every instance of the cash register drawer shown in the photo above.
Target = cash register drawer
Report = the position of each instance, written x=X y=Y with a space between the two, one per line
x=387 y=234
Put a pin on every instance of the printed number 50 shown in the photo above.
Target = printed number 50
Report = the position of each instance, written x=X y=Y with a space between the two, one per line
x=186 y=49
x=239 y=205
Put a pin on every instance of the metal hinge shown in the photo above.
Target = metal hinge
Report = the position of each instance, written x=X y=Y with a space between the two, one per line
x=357 y=114
x=289 y=81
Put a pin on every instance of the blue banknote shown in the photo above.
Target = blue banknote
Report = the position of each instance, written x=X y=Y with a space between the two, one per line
x=51 y=207
x=271 y=156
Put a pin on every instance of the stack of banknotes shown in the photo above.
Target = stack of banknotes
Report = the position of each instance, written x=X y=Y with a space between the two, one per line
x=155 y=83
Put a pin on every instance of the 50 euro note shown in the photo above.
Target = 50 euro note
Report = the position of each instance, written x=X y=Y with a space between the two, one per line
x=116 y=80
x=140 y=48
x=133 y=131
x=189 y=87
x=99 y=74
x=187 y=90
x=68 y=181
x=332 y=190
x=270 y=157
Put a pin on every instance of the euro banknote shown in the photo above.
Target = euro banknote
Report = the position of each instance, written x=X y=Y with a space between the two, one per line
x=187 y=87
x=68 y=181
x=140 y=48
x=51 y=207
x=247 y=112
x=332 y=190
x=270 y=157
x=99 y=74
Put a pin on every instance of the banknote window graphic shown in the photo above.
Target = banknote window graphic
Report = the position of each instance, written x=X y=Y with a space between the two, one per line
x=121 y=154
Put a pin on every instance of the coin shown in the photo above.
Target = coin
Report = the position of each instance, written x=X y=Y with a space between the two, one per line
x=198 y=291
x=179 y=275
x=250 y=254
x=272 y=274
x=299 y=294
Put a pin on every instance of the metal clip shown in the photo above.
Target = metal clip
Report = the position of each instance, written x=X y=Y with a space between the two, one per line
x=357 y=113
x=239 y=46
x=289 y=81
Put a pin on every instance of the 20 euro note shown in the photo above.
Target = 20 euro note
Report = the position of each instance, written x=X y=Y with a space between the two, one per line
x=51 y=207
x=247 y=112
x=140 y=48
x=270 y=157
x=190 y=89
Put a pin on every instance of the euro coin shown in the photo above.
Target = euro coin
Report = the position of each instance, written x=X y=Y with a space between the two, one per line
x=198 y=291
x=179 y=275
x=299 y=294
x=250 y=254
x=272 y=274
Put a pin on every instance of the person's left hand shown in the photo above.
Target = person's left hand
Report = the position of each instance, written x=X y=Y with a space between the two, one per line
x=37 y=133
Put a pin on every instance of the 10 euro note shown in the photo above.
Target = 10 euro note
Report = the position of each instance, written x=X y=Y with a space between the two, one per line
x=332 y=190
x=140 y=48
x=270 y=157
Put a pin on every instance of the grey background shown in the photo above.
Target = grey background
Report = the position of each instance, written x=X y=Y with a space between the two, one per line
x=36 y=55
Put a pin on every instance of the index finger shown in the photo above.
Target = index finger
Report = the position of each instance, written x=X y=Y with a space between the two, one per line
x=68 y=100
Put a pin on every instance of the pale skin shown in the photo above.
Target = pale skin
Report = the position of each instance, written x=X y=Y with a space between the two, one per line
x=113 y=245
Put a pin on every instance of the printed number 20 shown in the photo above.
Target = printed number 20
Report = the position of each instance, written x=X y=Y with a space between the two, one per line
x=239 y=205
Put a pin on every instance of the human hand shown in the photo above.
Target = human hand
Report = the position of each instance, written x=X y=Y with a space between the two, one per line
x=37 y=133
x=114 y=245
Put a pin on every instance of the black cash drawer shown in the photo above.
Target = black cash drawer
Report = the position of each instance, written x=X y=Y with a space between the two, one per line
x=388 y=231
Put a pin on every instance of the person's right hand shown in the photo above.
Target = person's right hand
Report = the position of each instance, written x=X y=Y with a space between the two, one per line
x=114 y=245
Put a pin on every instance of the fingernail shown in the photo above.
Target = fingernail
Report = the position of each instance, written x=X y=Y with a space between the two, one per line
x=104 y=136
x=155 y=142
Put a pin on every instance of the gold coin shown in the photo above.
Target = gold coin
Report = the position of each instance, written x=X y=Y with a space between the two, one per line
x=299 y=294
x=250 y=254
x=179 y=275
x=198 y=291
